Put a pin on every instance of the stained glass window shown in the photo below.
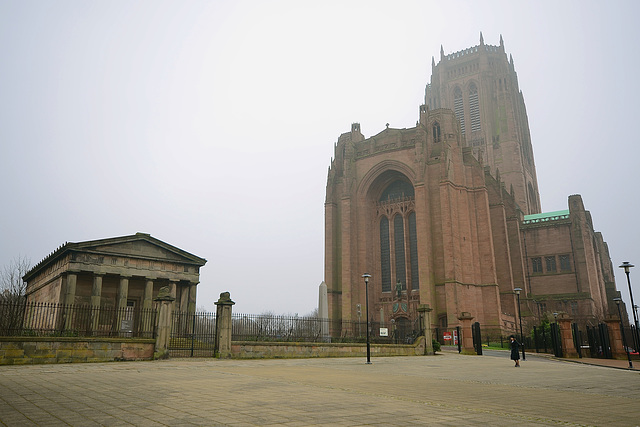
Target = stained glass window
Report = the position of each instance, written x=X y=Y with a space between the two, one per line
x=398 y=235
x=413 y=251
x=385 y=255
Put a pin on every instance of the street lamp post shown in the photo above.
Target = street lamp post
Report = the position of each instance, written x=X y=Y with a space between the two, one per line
x=517 y=291
x=627 y=266
x=624 y=339
x=366 y=277
x=637 y=335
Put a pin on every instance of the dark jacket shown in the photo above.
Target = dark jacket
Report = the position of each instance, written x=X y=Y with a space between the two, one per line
x=515 y=350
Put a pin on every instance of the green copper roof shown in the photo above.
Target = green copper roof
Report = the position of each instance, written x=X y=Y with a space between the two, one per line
x=546 y=216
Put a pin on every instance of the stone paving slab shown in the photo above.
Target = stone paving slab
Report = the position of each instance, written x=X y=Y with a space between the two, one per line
x=447 y=389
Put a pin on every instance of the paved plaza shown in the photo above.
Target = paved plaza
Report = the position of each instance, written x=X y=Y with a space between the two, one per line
x=447 y=389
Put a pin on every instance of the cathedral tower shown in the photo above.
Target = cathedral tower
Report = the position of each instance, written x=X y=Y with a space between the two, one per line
x=480 y=86
x=447 y=214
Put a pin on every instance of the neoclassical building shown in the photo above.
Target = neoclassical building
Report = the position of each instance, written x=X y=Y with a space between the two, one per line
x=447 y=213
x=120 y=272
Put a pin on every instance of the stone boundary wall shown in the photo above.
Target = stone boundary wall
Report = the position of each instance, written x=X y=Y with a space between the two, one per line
x=39 y=350
x=281 y=350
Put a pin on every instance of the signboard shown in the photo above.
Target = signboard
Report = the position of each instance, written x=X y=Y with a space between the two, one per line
x=384 y=332
x=450 y=338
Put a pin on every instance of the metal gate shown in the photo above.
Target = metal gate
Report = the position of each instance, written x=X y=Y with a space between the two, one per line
x=598 y=339
x=192 y=334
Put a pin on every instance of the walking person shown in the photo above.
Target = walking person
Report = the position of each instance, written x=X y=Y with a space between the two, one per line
x=515 y=351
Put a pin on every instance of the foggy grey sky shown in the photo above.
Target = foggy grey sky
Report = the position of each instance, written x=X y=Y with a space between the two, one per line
x=211 y=124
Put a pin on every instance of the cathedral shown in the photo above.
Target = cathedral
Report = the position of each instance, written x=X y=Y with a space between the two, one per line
x=448 y=214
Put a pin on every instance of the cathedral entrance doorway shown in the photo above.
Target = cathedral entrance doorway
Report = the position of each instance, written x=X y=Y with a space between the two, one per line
x=402 y=330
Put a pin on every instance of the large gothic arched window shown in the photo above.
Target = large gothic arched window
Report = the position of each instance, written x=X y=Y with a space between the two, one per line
x=398 y=237
x=385 y=255
x=413 y=251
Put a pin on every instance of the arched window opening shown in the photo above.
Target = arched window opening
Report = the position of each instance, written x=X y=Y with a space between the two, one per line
x=397 y=190
x=398 y=238
x=474 y=108
x=385 y=255
x=458 y=107
x=436 y=132
x=413 y=252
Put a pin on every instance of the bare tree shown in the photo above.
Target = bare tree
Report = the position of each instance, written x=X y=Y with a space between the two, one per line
x=12 y=292
x=12 y=287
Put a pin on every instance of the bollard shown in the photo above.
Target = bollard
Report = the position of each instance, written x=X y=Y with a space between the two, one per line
x=477 y=338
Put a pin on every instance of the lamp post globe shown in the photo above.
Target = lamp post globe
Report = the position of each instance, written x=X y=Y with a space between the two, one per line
x=517 y=291
x=624 y=339
x=366 y=277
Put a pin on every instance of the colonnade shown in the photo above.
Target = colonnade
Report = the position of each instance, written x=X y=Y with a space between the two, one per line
x=185 y=290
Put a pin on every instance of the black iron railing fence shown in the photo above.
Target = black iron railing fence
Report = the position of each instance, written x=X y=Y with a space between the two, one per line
x=192 y=334
x=75 y=320
x=252 y=327
x=264 y=327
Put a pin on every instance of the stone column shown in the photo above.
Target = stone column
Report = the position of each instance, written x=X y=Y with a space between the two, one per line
x=425 y=323
x=96 y=296
x=184 y=298
x=467 y=335
x=173 y=285
x=185 y=321
x=163 y=337
x=566 y=335
x=222 y=348
x=191 y=307
x=147 y=317
x=147 y=302
x=96 y=290
x=123 y=293
x=615 y=337
x=69 y=300
x=323 y=312
x=70 y=291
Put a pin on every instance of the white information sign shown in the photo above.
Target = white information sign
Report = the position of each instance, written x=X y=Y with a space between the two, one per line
x=384 y=332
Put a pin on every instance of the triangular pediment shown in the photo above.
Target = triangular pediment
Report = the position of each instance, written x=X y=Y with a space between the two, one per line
x=138 y=246
x=138 y=249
